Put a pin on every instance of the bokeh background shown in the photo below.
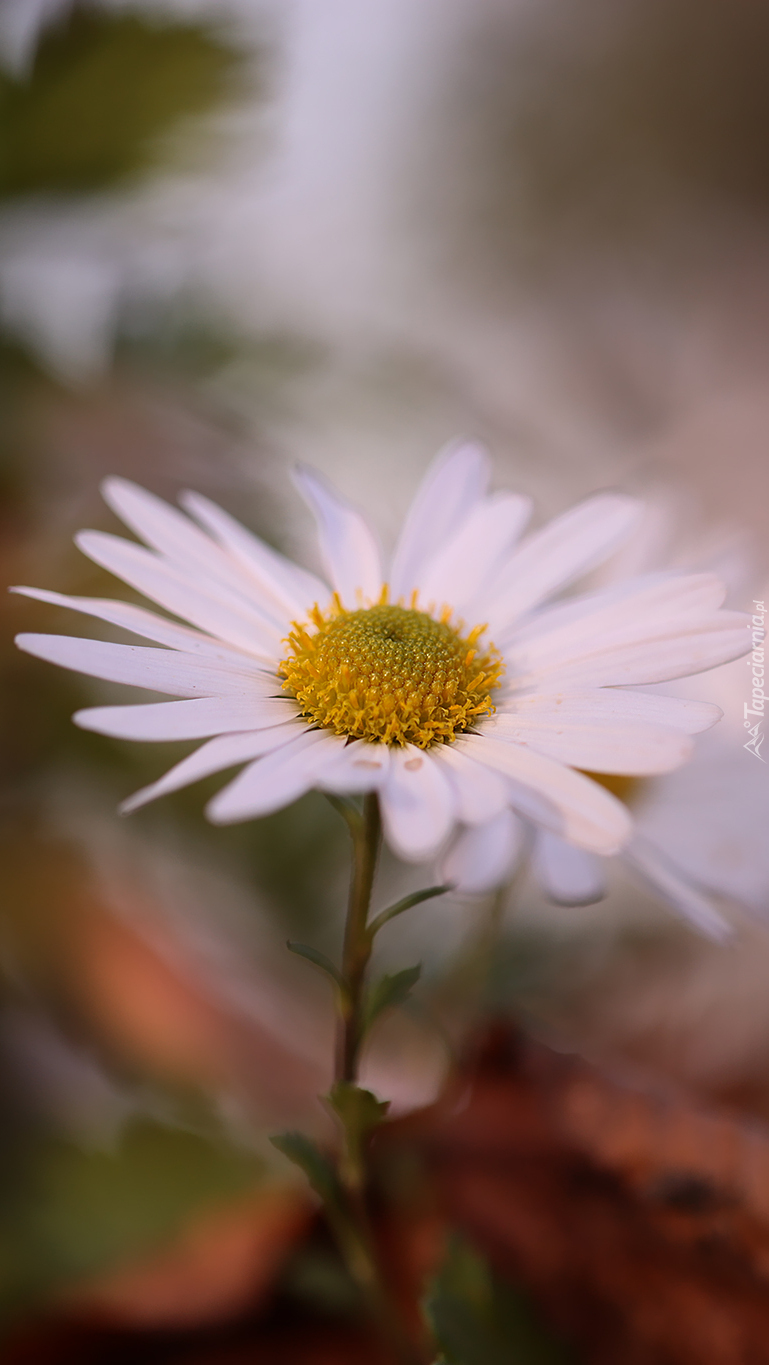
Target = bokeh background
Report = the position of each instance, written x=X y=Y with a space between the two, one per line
x=239 y=233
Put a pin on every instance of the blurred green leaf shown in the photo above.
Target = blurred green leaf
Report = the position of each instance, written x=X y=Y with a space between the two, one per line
x=70 y=1211
x=102 y=87
x=359 y=1109
x=407 y=903
x=319 y=960
x=479 y=1320
x=318 y=1169
x=389 y=992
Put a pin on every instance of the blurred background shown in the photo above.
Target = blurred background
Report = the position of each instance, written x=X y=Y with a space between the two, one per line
x=239 y=233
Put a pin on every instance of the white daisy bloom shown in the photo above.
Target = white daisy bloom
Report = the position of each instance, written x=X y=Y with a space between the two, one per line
x=442 y=683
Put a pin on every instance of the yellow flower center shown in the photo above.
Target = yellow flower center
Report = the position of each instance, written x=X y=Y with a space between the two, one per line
x=390 y=673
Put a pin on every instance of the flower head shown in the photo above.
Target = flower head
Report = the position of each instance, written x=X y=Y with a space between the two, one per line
x=446 y=684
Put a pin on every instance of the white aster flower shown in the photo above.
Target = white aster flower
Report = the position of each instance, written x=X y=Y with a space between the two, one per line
x=442 y=683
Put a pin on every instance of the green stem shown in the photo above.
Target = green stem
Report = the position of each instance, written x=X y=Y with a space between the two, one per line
x=358 y=940
x=355 y=1236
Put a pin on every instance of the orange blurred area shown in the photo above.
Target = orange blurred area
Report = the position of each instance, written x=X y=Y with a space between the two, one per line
x=635 y=1233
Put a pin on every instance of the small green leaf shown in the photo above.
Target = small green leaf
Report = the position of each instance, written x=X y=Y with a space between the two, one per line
x=479 y=1319
x=389 y=992
x=317 y=1167
x=319 y=960
x=406 y=903
x=359 y=1110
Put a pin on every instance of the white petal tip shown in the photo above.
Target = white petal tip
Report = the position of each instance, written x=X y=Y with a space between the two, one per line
x=578 y=902
x=216 y=816
x=83 y=720
x=113 y=486
x=28 y=641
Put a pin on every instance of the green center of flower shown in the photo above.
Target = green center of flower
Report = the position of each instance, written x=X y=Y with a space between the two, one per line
x=390 y=673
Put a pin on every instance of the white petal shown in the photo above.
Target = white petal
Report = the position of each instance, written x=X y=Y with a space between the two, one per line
x=564 y=550
x=675 y=888
x=480 y=793
x=483 y=857
x=144 y=623
x=417 y=804
x=568 y=875
x=294 y=589
x=456 y=480
x=158 y=670
x=605 y=703
x=672 y=650
x=172 y=534
x=555 y=796
x=223 y=752
x=218 y=611
x=276 y=780
x=197 y=719
x=619 y=615
x=349 y=550
x=601 y=745
x=459 y=569
x=360 y=767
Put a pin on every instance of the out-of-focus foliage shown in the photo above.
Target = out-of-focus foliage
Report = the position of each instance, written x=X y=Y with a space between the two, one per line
x=480 y=1320
x=71 y=1212
x=102 y=89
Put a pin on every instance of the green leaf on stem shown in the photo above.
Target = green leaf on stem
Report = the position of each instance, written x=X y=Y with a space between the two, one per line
x=359 y=1110
x=389 y=992
x=308 y=1157
x=479 y=1319
x=319 y=960
x=406 y=903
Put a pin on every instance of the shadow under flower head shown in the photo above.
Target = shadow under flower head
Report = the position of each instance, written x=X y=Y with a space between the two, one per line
x=443 y=683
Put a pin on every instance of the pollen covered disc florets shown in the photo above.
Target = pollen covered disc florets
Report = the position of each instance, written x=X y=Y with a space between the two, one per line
x=390 y=673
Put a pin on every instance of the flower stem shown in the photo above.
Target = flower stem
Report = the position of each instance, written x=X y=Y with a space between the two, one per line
x=358 y=940
x=354 y=1232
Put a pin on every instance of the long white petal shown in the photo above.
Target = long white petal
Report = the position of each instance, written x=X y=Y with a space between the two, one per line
x=568 y=875
x=348 y=547
x=276 y=780
x=618 y=615
x=196 y=719
x=479 y=792
x=218 y=611
x=555 y=796
x=611 y=703
x=601 y=745
x=360 y=767
x=673 y=650
x=293 y=588
x=564 y=550
x=167 y=530
x=417 y=804
x=674 y=887
x=144 y=623
x=456 y=480
x=484 y=856
x=159 y=670
x=461 y=567
x=222 y=752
